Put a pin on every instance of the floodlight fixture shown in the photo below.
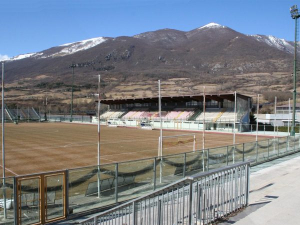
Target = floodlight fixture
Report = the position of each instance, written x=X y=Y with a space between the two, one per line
x=294 y=12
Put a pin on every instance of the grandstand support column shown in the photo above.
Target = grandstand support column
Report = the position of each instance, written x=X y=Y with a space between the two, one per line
x=99 y=104
x=3 y=146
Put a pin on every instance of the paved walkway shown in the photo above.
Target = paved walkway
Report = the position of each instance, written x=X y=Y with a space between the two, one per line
x=274 y=194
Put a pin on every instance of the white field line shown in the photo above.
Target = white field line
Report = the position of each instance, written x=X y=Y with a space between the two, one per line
x=9 y=170
x=148 y=150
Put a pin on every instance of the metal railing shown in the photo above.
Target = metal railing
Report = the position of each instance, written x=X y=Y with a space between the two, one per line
x=198 y=199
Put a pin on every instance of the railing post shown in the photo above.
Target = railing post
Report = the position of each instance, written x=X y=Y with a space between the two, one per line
x=159 y=213
x=15 y=202
x=190 y=202
x=116 y=182
x=256 y=144
x=248 y=184
x=268 y=148
x=288 y=144
x=184 y=165
x=134 y=213
x=154 y=174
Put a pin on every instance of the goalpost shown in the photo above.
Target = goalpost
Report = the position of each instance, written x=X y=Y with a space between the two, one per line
x=175 y=141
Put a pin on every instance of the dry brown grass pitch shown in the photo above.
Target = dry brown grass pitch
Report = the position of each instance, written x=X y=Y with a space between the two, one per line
x=38 y=147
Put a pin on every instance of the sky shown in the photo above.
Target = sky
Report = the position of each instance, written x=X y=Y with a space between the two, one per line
x=29 y=26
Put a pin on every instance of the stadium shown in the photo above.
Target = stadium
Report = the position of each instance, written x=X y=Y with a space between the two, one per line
x=55 y=162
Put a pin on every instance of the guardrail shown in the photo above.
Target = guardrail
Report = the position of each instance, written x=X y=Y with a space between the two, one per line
x=198 y=199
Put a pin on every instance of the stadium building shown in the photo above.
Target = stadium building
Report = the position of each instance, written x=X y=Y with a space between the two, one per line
x=181 y=112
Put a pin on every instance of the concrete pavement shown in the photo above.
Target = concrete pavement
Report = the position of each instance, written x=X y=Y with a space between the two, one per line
x=274 y=194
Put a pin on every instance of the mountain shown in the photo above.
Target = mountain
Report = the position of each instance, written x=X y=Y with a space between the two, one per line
x=210 y=50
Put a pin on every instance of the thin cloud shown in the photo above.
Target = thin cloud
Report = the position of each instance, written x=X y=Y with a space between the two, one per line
x=4 y=57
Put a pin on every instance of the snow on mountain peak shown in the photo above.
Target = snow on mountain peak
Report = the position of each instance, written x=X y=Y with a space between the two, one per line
x=65 y=49
x=71 y=48
x=278 y=43
x=212 y=25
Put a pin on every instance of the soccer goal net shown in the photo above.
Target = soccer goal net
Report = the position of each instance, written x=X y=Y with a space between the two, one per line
x=176 y=143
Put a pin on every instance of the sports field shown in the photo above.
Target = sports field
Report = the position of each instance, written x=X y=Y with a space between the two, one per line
x=38 y=147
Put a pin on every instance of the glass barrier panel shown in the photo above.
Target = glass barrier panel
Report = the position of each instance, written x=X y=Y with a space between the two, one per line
x=273 y=150
x=7 y=194
x=291 y=143
x=296 y=143
x=172 y=168
x=282 y=145
x=83 y=187
x=217 y=157
x=196 y=162
x=54 y=196
x=134 y=179
x=238 y=153
x=263 y=148
x=29 y=200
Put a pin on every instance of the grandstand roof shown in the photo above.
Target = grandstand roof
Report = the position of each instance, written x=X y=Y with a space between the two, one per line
x=182 y=98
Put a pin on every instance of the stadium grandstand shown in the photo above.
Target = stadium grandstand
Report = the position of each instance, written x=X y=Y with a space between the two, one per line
x=20 y=114
x=180 y=111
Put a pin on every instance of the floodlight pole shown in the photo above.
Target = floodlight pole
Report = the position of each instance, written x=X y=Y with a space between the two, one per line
x=289 y=117
x=99 y=104
x=203 y=133
x=275 y=119
x=3 y=146
x=257 y=117
x=73 y=65
x=295 y=16
x=234 y=118
x=161 y=137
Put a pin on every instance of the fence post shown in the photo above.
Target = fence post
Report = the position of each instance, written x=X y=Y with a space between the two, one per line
x=278 y=147
x=184 y=165
x=243 y=152
x=268 y=148
x=116 y=182
x=154 y=174
x=288 y=144
x=208 y=159
x=67 y=193
x=227 y=156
